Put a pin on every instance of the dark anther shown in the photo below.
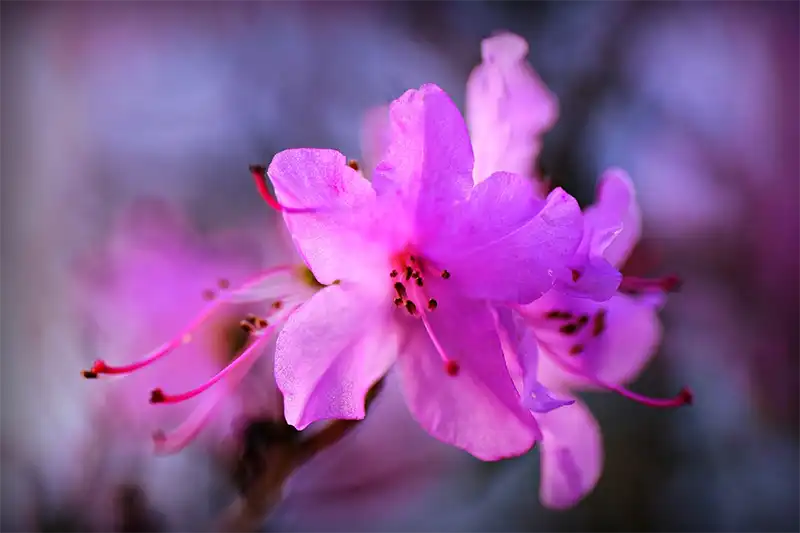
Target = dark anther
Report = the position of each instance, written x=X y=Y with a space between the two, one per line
x=599 y=323
x=277 y=304
x=398 y=302
x=409 y=273
x=353 y=164
x=261 y=323
x=419 y=282
x=576 y=275
x=583 y=319
x=224 y=283
x=576 y=349
x=88 y=374
x=393 y=273
x=258 y=169
x=552 y=315
x=568 y=329
x=401 y=290
x=445 y=274
x=432 y=304
x=157 y=396
x=410 y=307
x=415 y=274
x=208 y=294
x=687 y=396
x=247 y=326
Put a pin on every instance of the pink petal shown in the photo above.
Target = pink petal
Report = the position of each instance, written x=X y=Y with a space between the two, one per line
x=617 y=355
x=505 y=245
x=478 y=409
x=428 y=162
x=590 y=276
x=614 y=218
x=340 y=239
x=508 y=108
x=330 y=353
x=572 y=455
x=521 y=341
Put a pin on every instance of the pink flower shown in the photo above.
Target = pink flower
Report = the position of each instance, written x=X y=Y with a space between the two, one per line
x=161 y=276
x=583 y=333
x=583 y=343
x=508 y=108
x=412 y=261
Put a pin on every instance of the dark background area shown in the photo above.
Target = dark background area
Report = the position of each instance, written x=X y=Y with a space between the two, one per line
x=106 y=103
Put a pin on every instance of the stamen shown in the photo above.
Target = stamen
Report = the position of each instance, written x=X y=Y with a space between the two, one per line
x=576 y=349
x=260 y=176
x=569 y=329
x=684 y=397
x=411 y=307
x=398 y=302
x=576 y=275
x=158 y=396
x=583 y=319
x=277 y=304
x=419 y=282
x=409 y=272
x=100 y=366
x=563 y=315
x=401 y=290
x=670 y=283
x=393 y=274
x=432 y=304
x=353 y=164
x=445 y=274
x=599 y=323
x=184 y=434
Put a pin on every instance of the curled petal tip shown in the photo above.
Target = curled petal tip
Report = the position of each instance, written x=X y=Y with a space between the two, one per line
x=504 y=47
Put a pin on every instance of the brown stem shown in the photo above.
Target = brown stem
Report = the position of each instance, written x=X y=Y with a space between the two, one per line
x=278 y=461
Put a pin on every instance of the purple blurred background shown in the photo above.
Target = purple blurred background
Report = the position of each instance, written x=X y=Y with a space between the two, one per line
x=108 y=105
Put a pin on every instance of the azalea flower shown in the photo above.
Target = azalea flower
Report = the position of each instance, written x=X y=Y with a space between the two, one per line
x=578 y=343
x=153 y=276
x=583 y=333
x=411 y=262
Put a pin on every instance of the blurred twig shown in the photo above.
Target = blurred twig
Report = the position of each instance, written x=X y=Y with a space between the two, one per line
x=273 y=450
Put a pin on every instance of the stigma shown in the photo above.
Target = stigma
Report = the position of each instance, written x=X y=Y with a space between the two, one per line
x=580 y=333
x=410 y=295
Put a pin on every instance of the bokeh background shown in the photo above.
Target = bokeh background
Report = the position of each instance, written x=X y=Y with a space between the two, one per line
x=127 y=129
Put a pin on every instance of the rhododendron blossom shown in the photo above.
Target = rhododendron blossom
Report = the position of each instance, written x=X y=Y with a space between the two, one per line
x=583 y=333
x=279 y=291
x=584 y=343
x=414 y=261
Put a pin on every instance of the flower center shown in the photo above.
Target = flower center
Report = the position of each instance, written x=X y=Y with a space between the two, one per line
x=409 y=274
